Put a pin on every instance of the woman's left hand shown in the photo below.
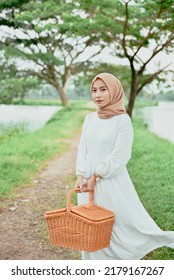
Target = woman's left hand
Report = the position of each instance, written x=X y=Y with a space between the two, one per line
x=91 y=183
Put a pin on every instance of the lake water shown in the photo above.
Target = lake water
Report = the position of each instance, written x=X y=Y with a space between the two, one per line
x=160 y=119
x=30 y=117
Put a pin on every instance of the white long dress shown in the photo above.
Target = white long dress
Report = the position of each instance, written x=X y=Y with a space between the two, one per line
x=105 y=148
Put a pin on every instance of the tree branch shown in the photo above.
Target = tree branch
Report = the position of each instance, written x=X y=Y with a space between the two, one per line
x=151 y=78
x=158 y=15
x=155 y=52
x=142 y=43
x=125 y=26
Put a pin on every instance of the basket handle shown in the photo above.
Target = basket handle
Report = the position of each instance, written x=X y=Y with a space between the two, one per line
x=91 y=199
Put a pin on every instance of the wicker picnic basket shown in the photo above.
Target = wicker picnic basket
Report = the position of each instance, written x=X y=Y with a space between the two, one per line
x=85 y=227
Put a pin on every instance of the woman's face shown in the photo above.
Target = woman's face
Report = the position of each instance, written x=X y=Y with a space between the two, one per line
x=100 y=93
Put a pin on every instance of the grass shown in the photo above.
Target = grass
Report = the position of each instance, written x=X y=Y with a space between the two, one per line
x=144 y=102
x=23 y=154
x=151 y=170
x=38 y=102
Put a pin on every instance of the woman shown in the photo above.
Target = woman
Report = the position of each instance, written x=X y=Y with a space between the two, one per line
x=103 y=152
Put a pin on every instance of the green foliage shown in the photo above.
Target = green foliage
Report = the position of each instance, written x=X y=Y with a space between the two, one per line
x=49 y=37
x=13 y=84
x=53 y=34
x=16 y=88
x=131 y=28
x=140 y=22
x=12 y=3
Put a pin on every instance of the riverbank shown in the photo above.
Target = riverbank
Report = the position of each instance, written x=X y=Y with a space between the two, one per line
x=160 y=119
x=28 y=118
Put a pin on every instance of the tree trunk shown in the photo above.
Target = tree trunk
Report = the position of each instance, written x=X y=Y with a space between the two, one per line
x=133 y=94
x=63 y=97
x=62 y=94
x=61 y=90
x=130 y=105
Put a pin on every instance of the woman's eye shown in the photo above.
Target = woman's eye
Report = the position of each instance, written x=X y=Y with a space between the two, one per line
x=93 y=90
x=103 y=89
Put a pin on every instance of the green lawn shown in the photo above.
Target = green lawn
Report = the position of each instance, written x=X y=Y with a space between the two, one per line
x=151 y=169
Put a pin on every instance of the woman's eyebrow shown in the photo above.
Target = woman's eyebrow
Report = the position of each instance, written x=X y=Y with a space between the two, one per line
x=99 y=87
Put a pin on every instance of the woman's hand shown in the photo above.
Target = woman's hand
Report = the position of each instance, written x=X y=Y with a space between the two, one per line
x=81 y=184
x=91 y=183
x=84 y=185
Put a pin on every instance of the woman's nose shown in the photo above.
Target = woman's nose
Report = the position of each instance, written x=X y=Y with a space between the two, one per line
x=97 y=93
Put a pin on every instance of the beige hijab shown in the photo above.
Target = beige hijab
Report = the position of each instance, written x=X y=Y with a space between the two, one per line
x=116 y=104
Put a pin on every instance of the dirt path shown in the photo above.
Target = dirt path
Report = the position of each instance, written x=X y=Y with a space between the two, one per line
x=23 y=229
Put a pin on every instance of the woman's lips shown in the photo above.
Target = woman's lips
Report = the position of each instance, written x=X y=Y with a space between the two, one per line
x=98 y=101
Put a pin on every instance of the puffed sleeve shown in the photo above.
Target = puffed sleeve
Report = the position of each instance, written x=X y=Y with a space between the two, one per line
x=116 y=161
x=82 y=162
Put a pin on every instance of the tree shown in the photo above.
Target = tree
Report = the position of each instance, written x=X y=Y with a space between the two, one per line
x=16 y=88
x=13 y=84
x=131 y=27
x=52 y=34
x=49 y=36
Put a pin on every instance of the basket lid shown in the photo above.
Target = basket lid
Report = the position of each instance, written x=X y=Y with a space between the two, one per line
x=93 y=213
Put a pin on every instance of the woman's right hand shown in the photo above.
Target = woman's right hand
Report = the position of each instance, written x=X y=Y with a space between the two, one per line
x=81 y=184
